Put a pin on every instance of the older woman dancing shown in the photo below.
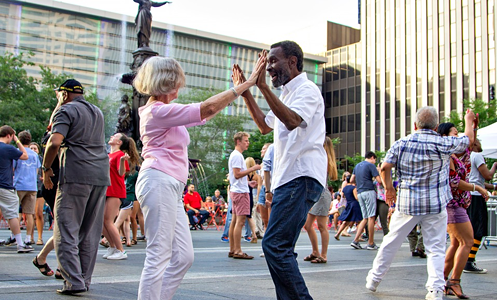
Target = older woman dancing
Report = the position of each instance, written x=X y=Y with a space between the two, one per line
x=164 y=171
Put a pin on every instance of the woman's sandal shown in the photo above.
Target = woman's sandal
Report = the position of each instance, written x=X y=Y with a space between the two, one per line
x=39 y=242
x=133 y=242
x=44 y=269
x=337 y=237
x=58 y=275
x=319 y=260
x=310 y=257
x=345 y=234
x=450 y=287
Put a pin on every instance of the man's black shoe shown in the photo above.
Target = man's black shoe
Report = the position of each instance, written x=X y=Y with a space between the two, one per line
x=200 y=227
x=71 y=292
x=193 y=228
x=420 y=253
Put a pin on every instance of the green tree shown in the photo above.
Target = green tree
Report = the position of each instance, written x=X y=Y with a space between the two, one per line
x=212 y=143
x=487 y=115
x=257 y=141
x=486 y=111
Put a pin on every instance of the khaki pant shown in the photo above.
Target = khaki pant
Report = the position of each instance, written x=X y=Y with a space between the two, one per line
x=79 y=214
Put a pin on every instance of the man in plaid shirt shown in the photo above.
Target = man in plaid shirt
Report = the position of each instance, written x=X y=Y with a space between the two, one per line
x=422 y=163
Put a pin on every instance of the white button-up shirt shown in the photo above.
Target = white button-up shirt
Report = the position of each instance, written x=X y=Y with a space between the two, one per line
x=299 y=152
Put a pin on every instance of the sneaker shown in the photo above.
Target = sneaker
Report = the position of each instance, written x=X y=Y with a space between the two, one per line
x=141 y=238
x=247 y=239
x=472 y=268
x=2 y=242
x=29 y=243
x=109 y=252
x=200 y=227
x=356 y=245
x=225 y=239
x=10 y=242
x=434 y=295
x=371 y=284
x=261 y=255
x=372 y=247
x=24 y=249
x=365 y=236
x=193 y=228
x=118 y=255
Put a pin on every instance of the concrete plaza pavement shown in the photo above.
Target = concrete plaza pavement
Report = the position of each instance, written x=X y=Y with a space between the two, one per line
x=214 y=276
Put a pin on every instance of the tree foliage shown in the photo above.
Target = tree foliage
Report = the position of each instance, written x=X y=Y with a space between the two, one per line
x=486 y=111
x=212 y=143
x=25 y=102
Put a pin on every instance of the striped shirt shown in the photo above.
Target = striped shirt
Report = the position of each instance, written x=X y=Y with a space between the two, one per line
x=421 y=160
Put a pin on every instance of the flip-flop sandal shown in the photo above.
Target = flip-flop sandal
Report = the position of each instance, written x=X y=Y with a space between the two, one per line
x=319 y=260
x=230 y=254
x=45 y=267
x=242 y=256
x=310 y=257
x=337 y=237
x=133 y=242
x=346 y=234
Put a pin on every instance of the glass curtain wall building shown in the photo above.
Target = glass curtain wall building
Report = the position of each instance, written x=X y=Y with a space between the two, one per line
x=422 y=52
x=342 y=94
x=96 y=48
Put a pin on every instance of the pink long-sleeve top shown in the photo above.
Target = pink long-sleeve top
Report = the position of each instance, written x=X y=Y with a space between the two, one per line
x=165 y=138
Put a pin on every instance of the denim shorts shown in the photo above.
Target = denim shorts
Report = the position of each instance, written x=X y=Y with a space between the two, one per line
x=262 y=196
x=457 y=215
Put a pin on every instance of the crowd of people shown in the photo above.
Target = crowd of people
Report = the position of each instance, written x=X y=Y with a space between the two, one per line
x=440 y=185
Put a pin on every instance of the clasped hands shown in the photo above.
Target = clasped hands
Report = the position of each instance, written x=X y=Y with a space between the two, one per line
x=258 y=76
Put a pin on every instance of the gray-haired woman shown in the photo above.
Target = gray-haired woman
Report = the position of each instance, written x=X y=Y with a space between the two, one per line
x=164 y=171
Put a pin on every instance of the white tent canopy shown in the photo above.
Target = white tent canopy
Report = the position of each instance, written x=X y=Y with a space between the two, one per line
x=488 y=139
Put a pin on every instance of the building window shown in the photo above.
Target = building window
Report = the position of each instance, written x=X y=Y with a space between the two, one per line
x=351 y=95
x=335 y=125
x=357 y=122
x=335 y=99
x=343 y=124
x=343 y=97
x=351 y=125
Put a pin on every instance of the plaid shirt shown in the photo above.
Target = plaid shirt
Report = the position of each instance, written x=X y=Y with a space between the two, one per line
x=422 y=163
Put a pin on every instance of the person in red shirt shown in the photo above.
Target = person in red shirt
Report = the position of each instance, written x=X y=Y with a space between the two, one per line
x=121 y=152
x=194 y=205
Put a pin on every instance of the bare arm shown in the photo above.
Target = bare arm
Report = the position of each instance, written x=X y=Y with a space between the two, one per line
x=267 y=183
x=239 y=174
x=486 y=173
x=469 y=126
x=216 y=103
x=386 y=176
x=53 y=146
x=355 y=193
x=122 y=166
x=352 y=178
x=255 y=111
x=21 y=148
x=378 y=179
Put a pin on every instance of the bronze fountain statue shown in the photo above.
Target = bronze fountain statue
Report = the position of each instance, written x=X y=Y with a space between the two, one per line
x=143 y=23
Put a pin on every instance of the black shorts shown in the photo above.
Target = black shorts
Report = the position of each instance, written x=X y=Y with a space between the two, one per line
x=478 y=215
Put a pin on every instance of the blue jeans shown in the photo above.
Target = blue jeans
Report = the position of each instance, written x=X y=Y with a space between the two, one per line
x=291 y=203
x=248 y=232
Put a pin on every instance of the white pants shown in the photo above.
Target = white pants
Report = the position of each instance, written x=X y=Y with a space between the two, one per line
x=434 y=229
x=169 y=252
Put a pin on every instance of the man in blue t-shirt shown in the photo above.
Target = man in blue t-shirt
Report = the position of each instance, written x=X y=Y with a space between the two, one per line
x=26 y=184
x=364 y=173
x=9 y=203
